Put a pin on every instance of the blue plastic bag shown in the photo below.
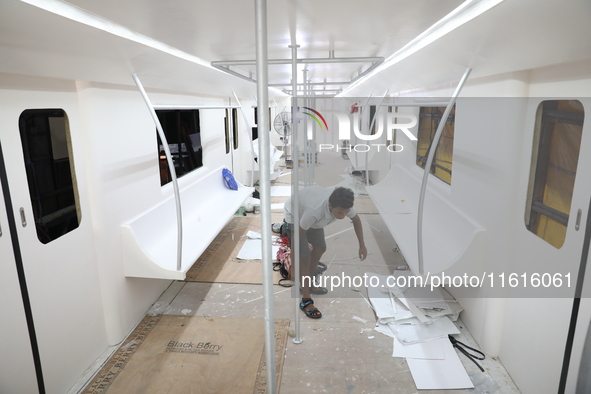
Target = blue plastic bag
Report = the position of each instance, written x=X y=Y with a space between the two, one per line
x=229 y=179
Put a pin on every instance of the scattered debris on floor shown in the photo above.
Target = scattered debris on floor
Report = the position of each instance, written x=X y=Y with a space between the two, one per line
x=359 y=319
x=420 y=321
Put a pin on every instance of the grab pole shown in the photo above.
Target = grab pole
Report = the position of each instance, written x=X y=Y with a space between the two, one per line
x=295 y=202
x=175 y=185
x=249 y=137
x=430 y=158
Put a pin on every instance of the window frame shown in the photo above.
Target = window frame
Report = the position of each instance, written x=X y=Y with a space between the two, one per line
x=548 y=119
x=227 y=130
x=425 y=142
x=175 y=127
x=51 y=176
x=235 y=135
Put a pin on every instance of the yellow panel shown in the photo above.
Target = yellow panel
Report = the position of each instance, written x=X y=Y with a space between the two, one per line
x=444 y=153
x=551 y=231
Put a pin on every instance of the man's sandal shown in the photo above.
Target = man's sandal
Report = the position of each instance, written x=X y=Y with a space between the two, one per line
x=312 y=313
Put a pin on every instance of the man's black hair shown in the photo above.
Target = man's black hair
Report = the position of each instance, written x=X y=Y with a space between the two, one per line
x=342 y=197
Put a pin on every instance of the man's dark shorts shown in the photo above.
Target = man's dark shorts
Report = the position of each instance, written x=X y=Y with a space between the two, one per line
x=314 y=237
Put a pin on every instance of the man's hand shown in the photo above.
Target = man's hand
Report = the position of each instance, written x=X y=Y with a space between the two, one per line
x=359 y=233
x=362 y=252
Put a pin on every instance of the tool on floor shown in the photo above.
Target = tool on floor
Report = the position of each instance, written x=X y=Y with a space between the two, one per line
x=460 y=346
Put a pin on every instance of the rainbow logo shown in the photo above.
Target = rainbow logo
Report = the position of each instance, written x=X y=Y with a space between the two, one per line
x=313 y=116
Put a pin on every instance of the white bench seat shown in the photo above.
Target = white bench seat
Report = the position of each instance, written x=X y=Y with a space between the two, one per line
x=150 y=240
x=450 y=237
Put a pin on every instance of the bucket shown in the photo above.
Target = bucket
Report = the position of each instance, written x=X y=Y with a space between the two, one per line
x=257 y=208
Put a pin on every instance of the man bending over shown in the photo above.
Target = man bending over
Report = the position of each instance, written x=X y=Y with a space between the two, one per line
x=319 y=207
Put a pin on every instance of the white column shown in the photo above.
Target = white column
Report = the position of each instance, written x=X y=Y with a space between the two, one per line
x=265 y=190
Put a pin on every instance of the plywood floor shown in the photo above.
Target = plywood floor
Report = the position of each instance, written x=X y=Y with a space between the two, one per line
x=183 y=355
x=219 y=264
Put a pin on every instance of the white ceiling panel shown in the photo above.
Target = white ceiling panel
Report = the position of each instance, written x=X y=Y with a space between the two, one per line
x=514 y=35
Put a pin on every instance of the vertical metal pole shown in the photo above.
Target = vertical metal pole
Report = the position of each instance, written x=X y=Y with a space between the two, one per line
x=395 y=109
x=295 y=201
x=284 y=132
x=428 y=167
x=265 y=189
x=367 y=158
x=314 y=130
x=306 y=147
x=249 y=138
x=354 y=142
x=360 y=125
x=175 y=185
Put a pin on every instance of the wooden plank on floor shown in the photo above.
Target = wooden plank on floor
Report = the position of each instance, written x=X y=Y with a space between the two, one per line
x=219 y=264
x=191 y=354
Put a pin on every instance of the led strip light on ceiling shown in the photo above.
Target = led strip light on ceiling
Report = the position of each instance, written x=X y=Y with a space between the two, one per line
x=87 y=18
x=467 y=11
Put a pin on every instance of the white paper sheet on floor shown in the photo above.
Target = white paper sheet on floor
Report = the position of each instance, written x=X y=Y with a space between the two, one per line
x=415 y=333
x=448 y=373
x=431 y=350
x=419 y=321
x=252 y=248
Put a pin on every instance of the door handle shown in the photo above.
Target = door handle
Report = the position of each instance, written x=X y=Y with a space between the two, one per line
x=23 y=219
x=578 y=222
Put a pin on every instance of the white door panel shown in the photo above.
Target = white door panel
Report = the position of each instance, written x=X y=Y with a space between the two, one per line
x=535 y=342
x=61 y=275
x=17 y=369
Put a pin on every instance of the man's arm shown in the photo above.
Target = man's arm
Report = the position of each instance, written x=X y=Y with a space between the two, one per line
x=359 y=233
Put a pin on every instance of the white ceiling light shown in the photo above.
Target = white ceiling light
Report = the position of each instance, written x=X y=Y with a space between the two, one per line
x=79 y=15
x=467 y=11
